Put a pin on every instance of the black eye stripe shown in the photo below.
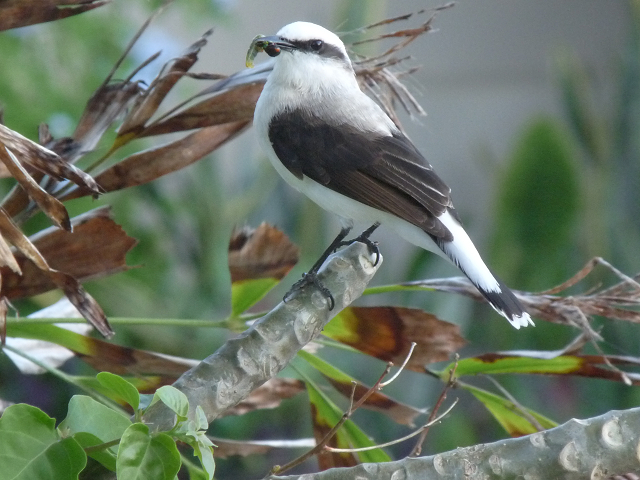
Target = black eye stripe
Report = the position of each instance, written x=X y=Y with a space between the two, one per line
x=321 y=48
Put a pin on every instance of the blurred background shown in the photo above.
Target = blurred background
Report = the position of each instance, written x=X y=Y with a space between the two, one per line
x=533 y=116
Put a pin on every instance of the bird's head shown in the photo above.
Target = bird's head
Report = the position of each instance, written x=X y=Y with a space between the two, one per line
x=305 y=43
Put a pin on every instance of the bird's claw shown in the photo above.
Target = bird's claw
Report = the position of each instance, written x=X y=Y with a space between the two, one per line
x=310 y=278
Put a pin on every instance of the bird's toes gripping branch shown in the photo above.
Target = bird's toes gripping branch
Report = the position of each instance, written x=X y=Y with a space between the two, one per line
x=364 y=238
x=311 y=277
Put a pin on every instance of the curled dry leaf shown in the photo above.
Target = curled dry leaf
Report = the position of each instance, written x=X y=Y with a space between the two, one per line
x=97 y=247
x=19 y=13
x=44 y=160
x=387 y=332
x=148 y=165
x=148 y=103
x=47 y=203
x=264 y=252
x=108 y=103
x=232 y=105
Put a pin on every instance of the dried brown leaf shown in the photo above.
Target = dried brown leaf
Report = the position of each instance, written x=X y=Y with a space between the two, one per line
x=268 y=395
x=105 y=106
x=149 y=102
x=19 y=13
x=87 y=306
x=143 y=167
x=44 y=160
x=387 y=332
x=97 y=247
x=236 y=104
x=264 y=252
x=7 y=259
x=52 y=208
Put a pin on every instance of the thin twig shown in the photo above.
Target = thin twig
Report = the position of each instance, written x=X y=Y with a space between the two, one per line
x=451 y=382
x=404 y=364
x=396 y=441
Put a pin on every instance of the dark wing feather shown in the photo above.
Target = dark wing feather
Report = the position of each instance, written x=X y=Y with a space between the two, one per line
x=387 y=173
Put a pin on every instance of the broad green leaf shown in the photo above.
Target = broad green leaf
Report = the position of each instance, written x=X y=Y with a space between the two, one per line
x=89 y=416
x=325 y=368
x=488 y=365
x=508 y=415
x=32 y=448
x=106 y=456
x=120 y=388
x=142 y=456
x=246 y=293
x=350 y=435
x=174 y=399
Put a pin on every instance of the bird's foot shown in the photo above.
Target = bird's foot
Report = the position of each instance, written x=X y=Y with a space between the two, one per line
x=310 y=278
x=364 y=238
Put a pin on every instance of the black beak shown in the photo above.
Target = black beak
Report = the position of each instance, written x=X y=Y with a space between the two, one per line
x=274 y=45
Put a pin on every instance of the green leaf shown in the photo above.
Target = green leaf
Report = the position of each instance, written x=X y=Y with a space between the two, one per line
x=174 y=399
x=120 y=388
x=350 y=435
x=33 y=449
x=142 y=456
x=325 y=368
x=89 y=416
x=487 y=365
x=508 y=415
x=246 y=293
x=106 y=456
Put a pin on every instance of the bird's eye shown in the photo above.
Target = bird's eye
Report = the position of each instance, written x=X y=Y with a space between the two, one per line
x=316 y=45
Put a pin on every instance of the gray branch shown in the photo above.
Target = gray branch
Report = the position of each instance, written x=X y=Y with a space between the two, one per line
x=244 y=363
x=596 y=448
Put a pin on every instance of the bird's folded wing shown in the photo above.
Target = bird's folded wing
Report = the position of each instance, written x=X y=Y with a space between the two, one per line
x=384 y=172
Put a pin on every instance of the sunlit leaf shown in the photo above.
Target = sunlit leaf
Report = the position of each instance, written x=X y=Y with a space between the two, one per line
x=174 y=399
x=31 y=445
x=508 y=415
x=387 y=332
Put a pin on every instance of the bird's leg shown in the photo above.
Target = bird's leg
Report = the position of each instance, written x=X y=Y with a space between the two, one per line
x=364 y=238
x=311 y=277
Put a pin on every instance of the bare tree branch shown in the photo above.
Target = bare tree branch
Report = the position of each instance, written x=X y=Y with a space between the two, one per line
x=244 y=363
x=598 y=447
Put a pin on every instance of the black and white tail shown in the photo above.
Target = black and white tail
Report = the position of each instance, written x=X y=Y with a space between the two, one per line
x=464 y=255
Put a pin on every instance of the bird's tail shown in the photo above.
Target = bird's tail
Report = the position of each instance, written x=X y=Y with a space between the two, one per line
x=464 y=255
x=505 y=303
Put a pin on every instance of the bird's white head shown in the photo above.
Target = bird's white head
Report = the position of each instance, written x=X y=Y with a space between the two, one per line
x=309 y=58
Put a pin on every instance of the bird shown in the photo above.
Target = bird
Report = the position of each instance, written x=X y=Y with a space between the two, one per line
x=333 y=143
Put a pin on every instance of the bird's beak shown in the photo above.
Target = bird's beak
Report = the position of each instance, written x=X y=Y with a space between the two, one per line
x=271 y=45
x=274 y=44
